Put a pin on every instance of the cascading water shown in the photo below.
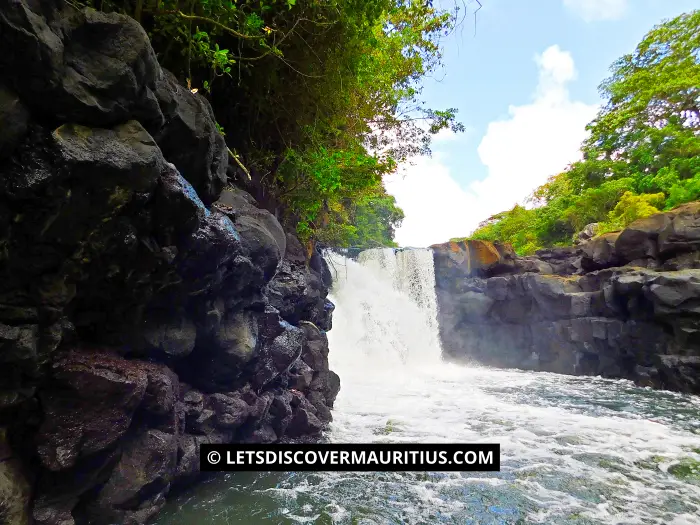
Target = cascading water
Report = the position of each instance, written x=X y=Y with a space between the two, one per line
x=574 y=450
x=385 y=309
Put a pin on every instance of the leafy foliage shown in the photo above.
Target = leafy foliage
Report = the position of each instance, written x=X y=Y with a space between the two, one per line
x=642 y=154
x=320 y=98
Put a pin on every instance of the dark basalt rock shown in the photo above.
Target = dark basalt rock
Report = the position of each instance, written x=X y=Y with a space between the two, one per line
x=189 y=120
x=300 y=294
x=137 y=320
x=15 y=121
x=263 y=236
x=623 y=304
x=88 y=406
x=85 y=66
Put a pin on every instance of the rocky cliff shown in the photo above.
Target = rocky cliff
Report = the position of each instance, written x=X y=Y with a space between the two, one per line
x=146 y=306
x=622 y=305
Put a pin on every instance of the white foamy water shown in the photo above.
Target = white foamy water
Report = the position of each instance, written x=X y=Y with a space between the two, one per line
x=574 y=450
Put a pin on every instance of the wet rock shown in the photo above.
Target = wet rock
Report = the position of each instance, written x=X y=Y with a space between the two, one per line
x=277 y=356
x=315 y=347
x=228 y=351
x=237 y=336
x=88 y=407
x=162 y=389
x=262 y=234
x=134 y=491
x=18 y=343
x=231 y=410
x=203 y=423
x=112 y=255
x=303 y=423
x=193 y=402
x=174 y=337
x=300 y=294
x=318 y=400
x=55 y=513
x=190 y=120
x=681 y=373
x=260 y=436
x=300 y=376
x=280 y=413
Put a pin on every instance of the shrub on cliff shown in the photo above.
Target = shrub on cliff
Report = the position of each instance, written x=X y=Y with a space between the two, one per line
x=643 y=152
x=319 y=99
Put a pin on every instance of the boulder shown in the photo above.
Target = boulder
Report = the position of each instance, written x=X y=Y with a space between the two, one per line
x=136 y=488
x=599 y=252
x=680 y=373
x=231 y=410
x=639 y=239
x=225 y=353
x=190 y=120
x=304 y=423
x=15 y=486
x=172 y=336
x=589 y=232
x=15 y=120
x=162 y=389
x=563 y=260
x=472 y=258
x=262 y=234
x=89 y=405
x=71 y=75
x=300 y=293
x=682 y=234
x=683 y=261
x=277 y=356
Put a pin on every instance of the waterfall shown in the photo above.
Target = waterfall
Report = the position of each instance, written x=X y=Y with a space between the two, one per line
x=386 y=309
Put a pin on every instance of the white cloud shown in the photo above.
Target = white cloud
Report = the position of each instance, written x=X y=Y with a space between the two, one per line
x=537 y=140
x=433 y=202
x=593 y=10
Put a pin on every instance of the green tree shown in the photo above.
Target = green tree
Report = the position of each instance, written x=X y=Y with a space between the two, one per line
x=319 y=98
x=642 y=154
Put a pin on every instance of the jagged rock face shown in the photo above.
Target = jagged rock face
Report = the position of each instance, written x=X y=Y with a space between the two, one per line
x=144 y=310
x=623 y=304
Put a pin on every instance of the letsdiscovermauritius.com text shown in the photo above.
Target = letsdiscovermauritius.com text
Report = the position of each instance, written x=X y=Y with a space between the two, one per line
x=357 y=457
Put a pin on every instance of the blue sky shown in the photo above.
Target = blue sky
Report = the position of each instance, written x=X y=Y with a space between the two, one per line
x=525 y=86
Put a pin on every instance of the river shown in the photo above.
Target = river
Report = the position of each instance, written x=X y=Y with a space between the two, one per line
x=574 y=450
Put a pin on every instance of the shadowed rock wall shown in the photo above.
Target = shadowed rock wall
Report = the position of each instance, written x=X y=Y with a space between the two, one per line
x=145 y=307
x=624 y=304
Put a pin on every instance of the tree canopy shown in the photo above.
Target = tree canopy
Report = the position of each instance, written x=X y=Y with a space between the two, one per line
x=642 y=154
x=318 y=99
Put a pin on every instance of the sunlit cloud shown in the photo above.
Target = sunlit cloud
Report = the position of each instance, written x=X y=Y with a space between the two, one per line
x=520 y=152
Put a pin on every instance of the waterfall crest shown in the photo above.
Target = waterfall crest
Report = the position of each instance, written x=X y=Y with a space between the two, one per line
x=386 y=309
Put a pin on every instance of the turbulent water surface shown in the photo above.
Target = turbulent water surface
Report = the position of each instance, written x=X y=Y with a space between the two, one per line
x=574 y=450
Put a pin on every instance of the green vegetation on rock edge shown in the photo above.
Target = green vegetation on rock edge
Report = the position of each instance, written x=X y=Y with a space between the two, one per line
x=318 y=98
x=642 y=155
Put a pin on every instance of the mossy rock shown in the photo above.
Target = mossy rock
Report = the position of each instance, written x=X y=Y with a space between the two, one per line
x=391 y=426
x=687 y=469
